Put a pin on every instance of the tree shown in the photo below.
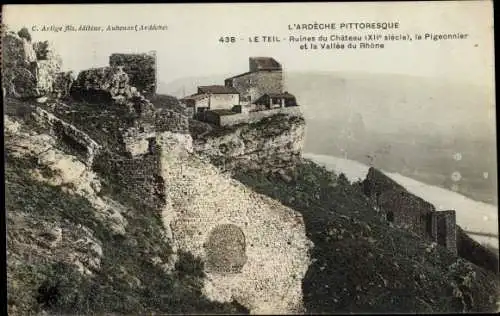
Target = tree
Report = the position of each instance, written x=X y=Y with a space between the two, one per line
x=24 y=33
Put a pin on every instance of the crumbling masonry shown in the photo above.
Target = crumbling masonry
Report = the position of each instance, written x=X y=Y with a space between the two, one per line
x=409 y=211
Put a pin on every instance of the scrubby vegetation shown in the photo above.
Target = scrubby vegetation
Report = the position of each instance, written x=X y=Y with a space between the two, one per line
x=361 y=263
x=24 y=33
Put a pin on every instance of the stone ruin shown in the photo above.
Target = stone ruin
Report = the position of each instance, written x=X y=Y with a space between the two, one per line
x=406 y=210
x=141 y=69
x=226 y=249
x=31 y=70
x=103 y=85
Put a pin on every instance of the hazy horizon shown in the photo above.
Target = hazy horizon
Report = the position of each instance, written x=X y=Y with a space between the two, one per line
x=190 y=46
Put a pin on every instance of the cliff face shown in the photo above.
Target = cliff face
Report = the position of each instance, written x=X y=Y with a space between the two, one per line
x=254 y=248
x=272 y=144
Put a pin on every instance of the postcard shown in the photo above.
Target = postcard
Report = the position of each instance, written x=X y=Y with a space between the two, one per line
x=251 y=158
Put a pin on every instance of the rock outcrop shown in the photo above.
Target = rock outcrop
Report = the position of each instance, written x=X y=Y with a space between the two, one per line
x=58 y=168
x=28 y=69
x=80 y=143
x=273 y=144
x=62 y=84
x=103 y=84
x=141 y=69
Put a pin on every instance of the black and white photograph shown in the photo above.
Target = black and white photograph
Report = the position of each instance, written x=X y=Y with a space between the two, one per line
x=250 y=158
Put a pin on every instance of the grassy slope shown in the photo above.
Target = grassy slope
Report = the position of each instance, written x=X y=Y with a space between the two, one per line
x=363 y=265
x=36 y=282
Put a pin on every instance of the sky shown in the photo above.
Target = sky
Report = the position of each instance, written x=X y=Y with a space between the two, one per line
x=190 y=46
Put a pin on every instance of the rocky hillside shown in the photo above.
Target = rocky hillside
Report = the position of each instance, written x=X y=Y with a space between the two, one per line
x=75 y=232
x=120 y=204
x=362 y=263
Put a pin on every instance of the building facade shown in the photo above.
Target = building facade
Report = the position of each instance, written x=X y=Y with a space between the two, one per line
x=265 y=76
x=212 y=98
x=242 y=97
x=196 y=103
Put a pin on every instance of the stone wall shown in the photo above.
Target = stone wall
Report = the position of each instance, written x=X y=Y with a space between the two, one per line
x=256 y=84
x=411 y=212
x=171 y=120
x=141 y=69
x=255 y=249
x=398 y=205
x=444 y=230
x=135 y=177
x=223 y=101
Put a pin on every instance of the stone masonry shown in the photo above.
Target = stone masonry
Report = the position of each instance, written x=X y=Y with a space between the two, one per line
x=253 y=85
x=141 y=69
x=409 y=211
x=444 y=230
x=255 y=249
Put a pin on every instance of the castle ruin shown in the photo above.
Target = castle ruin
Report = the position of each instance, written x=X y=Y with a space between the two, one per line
x=244 y=98
x=411 y=212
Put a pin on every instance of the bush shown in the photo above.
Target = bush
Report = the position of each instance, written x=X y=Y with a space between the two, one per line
x=24 y=33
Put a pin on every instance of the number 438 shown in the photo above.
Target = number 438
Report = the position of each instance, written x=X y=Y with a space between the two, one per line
x=227 y=39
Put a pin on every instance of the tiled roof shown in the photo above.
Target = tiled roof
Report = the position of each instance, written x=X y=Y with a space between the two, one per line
x=216 y=89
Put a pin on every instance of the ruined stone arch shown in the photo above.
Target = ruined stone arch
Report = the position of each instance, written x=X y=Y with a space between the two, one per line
x=225 y=249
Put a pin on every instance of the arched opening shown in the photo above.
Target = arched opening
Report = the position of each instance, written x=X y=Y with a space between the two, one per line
x=226 y=249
